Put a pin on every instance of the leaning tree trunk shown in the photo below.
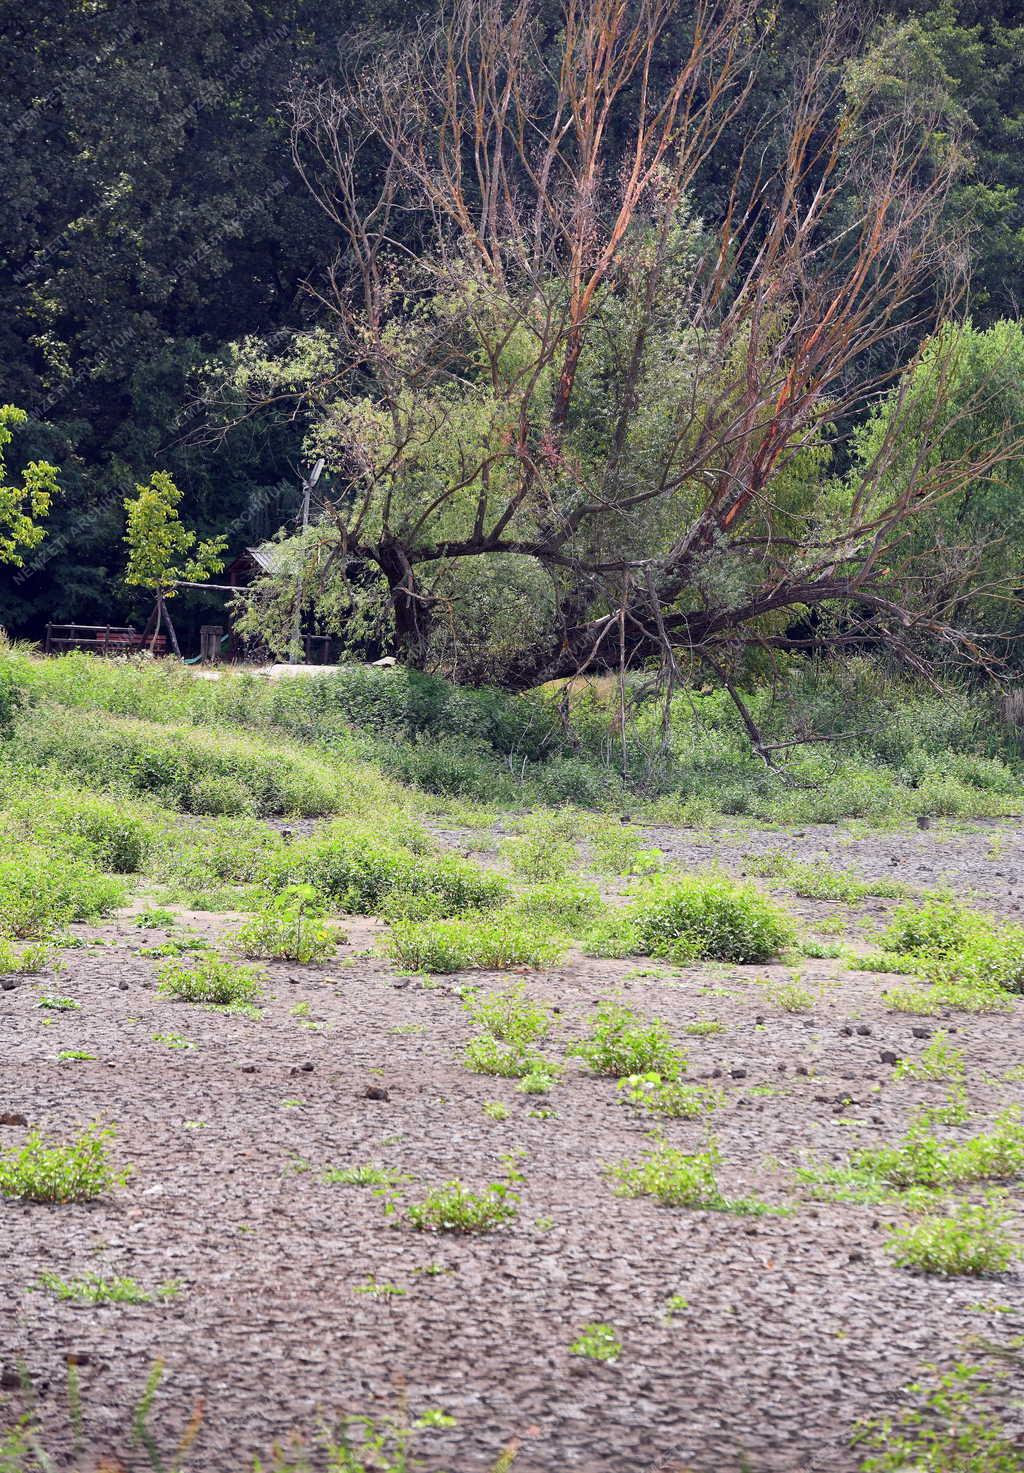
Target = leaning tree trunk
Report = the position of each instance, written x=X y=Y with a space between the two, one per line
x=170 y=625
x=411 y=609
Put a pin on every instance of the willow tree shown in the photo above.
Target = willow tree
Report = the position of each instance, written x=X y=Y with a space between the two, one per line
x=537 y=351
x=22 y=505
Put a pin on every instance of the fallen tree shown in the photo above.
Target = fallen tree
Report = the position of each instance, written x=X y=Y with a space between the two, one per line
x=647 y=420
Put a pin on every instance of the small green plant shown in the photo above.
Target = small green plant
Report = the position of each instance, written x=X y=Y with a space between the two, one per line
x=94 y=1289
x=75 y=1171
x=597 y=1341
x=670 y=1098
x=34 y=957
x=949 y=1429
x=676 y=1179
x=938 y=1061
x=173 y=1040
x=453 y=1208
x=538 y=1082
x=362 y=1176
x=921 y=1160
x=52 y=1004
x=380 y=1289
x=289 y=927
x=69 y=1054
x=210 y=979
x=155 y=918
x=791 y=997
x=969 y=1240
x=675 y=1304
x=510 y=1015
x=621 y=1043
x=817 y=881
x=704 y=1027
x=488 y=1055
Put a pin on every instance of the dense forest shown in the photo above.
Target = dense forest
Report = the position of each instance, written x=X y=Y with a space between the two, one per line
x=238 y=239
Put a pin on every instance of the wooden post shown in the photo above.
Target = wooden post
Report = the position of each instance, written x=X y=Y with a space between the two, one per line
x=210 y=636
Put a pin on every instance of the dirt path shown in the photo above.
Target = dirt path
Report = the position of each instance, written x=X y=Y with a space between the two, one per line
x=795 y=1326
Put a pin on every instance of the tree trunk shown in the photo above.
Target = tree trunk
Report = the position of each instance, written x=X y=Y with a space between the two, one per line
x=412 y=610
x=170 y=626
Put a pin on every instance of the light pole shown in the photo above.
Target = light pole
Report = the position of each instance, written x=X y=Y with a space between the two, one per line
x=297 y=652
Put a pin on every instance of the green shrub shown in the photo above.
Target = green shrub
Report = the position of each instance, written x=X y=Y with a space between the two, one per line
x=938 y=1061
x=938 y=925
x=567 y=904
x=948 y=1430
x=459 y=945
x=614 y=936
x=970 y=1240
x=42 y=890
x=112 y=835
x=923 y=1160
x=676 y=1179
x=539 y=856
x=597 y=1341
x=185 y=767
x=510 y=1016
x=453 y=1208
x=77 y=1171
x=94 y=1289
x=817 y=881
x=211 y=980
x=954 y=947
x=364 y=871
x=289 y=927
x=689 y=917
x=621 y=1043
x=670 y=1098
x=32 y=958
x=619 y=849
x=488 y=1055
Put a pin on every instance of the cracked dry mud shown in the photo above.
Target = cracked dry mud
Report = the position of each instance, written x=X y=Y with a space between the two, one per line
x=795 y=1326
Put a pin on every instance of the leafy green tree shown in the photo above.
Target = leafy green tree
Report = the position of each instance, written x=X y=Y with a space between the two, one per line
x=961 y=557
x=161 y=551
x=21 y=506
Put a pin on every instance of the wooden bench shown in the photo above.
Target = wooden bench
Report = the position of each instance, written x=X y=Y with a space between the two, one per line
x=116 y=639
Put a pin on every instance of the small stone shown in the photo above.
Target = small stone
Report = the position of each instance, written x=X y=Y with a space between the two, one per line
x=123 y=986
x=887 y=1056
x=781 y=1068
x=8 y=983
x=923 y=822
x=294 y=980
x=921 y=1032
x=248 y=1068
x=846 y=1031
x=715 y=1074
x=758 y=1021
x=738 y=1073
x=12 y=1117
x=802 y=1069
x=9 y=1379
x=375 y=1092
x=307 y=1067
x=856 y=1256
x=863 y=1030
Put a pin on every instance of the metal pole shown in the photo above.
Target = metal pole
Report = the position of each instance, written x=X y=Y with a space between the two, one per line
x=297 y=650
